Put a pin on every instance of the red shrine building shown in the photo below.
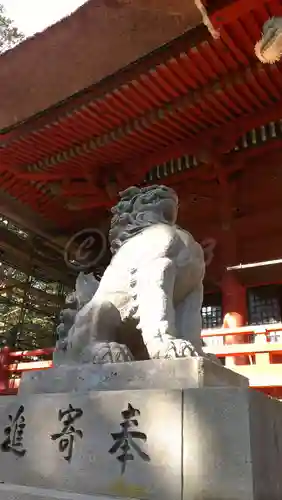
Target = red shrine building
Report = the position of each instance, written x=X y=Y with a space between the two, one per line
x=125 y=93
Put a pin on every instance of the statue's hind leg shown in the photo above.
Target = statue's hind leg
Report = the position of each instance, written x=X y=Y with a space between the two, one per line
x=104 y=346
x=93 y=337
x=152 y=288
x=189 y=317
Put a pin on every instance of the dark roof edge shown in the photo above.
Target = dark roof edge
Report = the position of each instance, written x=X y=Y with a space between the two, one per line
x=190 y=38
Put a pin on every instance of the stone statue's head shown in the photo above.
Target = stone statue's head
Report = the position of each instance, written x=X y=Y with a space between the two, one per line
x=139 y=208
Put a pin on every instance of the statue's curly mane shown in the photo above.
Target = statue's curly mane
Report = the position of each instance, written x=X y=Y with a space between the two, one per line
x=139 y=208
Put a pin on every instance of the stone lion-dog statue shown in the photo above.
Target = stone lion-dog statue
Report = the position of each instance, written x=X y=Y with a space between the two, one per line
x=148 y=302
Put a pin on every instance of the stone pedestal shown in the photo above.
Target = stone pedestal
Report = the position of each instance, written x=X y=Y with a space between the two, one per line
x=153 y=374
x=179 y=430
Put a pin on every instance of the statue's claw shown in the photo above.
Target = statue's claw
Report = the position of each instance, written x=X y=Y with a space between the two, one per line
x=110 y=352
x=177 y=348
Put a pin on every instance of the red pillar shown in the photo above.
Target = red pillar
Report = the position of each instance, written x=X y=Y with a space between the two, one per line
x=234 y=313
x=4 y=368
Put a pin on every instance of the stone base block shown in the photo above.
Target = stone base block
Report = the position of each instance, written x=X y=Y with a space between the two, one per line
x=152 y=374
x=15 y=492
x=197 y=444
x=120 y=444
x=232 y=441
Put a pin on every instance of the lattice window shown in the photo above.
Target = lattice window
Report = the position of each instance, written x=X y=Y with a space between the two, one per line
x=212 y=311
x=264 y=305
x=212 y=318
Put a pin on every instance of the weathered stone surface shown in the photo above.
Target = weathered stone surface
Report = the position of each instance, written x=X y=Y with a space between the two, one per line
x=15 y=492
x=92 y=468
x=232 y=441
x=211 y=443
x=154 y=281
x=266 y=445
x=152 y=374
x=217 y=454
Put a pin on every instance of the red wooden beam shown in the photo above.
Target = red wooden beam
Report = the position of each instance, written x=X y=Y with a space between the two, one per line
x=233 y=162
x=83 y=189
x=90 y=204
x=30 y=366
x=239 y=349
x=4 y=368
x=258 y=234
x=242 y=330
x=221 y=12
x=41 y=176
x=262 y=223
x=226 y=11
x=205 y=172
x=191 y=38
x=253 y=157
x=47 y=351
x=261 y=249
x=147 y=118
x=212 y=138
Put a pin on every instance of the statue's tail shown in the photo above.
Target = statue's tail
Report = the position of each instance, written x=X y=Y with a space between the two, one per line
x=85 y=288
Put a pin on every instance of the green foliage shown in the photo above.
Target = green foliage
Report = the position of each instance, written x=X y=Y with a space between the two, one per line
x=9 y=33
x=29 y=305
x=29 y=309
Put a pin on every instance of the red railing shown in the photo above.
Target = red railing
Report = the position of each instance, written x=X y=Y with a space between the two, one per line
x=263 y=365
x=264 y=368
x=14 y=363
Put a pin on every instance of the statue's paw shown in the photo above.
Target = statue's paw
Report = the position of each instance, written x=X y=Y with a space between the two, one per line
x=110 y=352
x=180 y=348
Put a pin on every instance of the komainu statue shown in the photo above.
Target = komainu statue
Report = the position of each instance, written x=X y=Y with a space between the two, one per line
x=148 y=302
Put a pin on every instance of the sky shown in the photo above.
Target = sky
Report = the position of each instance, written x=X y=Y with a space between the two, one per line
x=32 y=16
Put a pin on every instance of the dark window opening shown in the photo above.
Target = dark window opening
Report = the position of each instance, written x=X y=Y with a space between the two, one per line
x=212 y=311
x=265 y=306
